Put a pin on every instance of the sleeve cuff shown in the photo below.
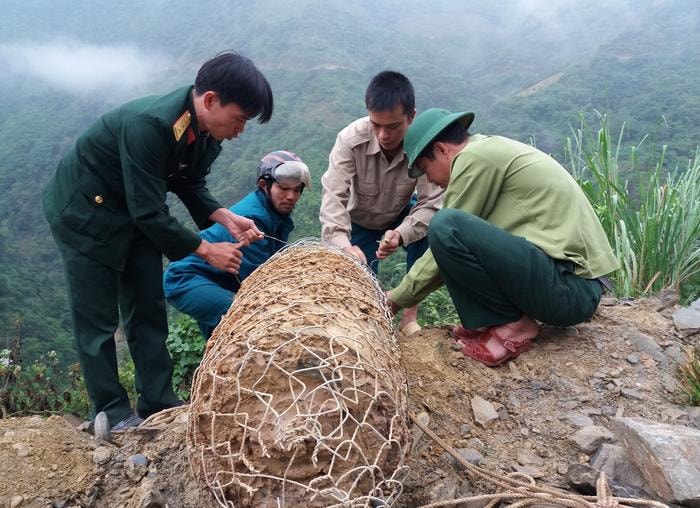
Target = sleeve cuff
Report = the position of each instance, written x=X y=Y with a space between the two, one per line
x=408 y=233
x=341 y=241
x=401 y=296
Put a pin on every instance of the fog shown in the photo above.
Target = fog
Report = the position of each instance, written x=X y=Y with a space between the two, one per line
x=80 y=68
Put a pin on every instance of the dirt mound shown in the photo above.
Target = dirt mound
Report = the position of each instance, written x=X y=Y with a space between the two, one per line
x=623 y=362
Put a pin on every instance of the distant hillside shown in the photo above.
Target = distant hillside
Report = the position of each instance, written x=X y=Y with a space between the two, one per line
x=647 y=77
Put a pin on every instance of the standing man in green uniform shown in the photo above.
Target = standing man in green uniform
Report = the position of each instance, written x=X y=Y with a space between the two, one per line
x=516 y=241
x=106 y=206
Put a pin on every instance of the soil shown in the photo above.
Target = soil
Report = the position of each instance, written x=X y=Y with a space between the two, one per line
x=597 y=369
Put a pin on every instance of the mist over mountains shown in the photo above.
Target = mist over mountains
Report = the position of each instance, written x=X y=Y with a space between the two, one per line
x=526 y=67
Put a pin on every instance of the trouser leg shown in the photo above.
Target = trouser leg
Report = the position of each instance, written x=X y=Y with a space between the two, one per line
x=145 y=322
x=495 y=277
x=368 y=241
x=93 y=301
x=206 y=303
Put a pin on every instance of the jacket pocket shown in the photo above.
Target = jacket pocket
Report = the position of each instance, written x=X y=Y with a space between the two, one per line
x=91 y=211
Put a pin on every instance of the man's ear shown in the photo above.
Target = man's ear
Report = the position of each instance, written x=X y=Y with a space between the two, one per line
x=411 y=116
x=209 y=98
x=262 y=186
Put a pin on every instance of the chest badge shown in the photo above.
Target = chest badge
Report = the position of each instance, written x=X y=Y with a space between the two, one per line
x=181 y=125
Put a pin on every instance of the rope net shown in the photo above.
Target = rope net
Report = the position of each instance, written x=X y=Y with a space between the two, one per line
x=300 y=397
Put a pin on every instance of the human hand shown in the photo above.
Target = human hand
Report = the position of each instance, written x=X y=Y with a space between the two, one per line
x=390 y=242
x=241 y=228
x=357 y=252
x=222 y=255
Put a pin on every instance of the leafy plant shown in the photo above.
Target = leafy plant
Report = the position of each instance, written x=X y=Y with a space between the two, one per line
x=653 y=227
x=186 y=346
x=41 y=387
x=690 y=379
x=437 y=309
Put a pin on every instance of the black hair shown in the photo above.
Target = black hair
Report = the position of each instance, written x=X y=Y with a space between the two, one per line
x=387 y=89
x=236 y=79
x=453 y=134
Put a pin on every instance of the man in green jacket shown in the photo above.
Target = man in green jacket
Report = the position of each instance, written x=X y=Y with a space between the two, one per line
x=516 y=241
x=106 y=206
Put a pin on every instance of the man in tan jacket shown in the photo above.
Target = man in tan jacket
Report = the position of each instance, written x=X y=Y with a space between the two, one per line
x=370 y=206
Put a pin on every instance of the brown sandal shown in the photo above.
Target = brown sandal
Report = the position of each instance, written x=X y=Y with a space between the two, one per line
x=460 y=333
x=476 y=349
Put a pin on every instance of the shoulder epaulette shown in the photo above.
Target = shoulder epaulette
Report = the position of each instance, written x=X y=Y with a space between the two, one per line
x=181 y=125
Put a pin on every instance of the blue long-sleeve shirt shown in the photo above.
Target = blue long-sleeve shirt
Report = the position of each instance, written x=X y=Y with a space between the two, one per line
x=193 y=271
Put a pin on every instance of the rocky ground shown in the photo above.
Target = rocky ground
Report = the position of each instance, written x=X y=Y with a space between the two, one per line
x=557 y=409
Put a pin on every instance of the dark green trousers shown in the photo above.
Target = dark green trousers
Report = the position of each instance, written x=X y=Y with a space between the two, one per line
x=495 y=277
x=96 y=295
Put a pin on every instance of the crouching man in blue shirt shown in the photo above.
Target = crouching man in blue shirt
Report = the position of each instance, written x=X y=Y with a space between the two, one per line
x=196 y=288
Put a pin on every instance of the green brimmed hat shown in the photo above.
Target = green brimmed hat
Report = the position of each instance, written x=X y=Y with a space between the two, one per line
x=425 y=128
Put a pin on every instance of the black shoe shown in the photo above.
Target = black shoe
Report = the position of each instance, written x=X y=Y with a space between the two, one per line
x=146 y=414
x=130 y=421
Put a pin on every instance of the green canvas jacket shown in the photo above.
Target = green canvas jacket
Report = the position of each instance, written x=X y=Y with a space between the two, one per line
x=117 y=176
x=526 y=193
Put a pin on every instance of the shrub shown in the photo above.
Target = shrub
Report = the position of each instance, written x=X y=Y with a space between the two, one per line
x=41 y=387
x=654 y=226
x=186 y=346
x=690 y=379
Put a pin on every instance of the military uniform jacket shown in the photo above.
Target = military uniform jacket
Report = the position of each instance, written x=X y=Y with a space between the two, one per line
x=116 y=178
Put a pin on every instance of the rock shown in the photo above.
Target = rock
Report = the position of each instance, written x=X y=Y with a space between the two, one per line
x=530 y=471
x=101 y=455
x=695 y=305
x=633 y=358
x=588 y=439
x=484 y=412
x=614 y=461
x=667 y=455
x=687 y=320
x=23 y=449
x=648 y=345
x=676 y=355
x=631 y=394
x=477 y=443
x=468 y=454
x=465 y=430
x=445 y=488
x=577 y=420
x=103 y=430
x=16 y=501
x=582 y=478
x=512 y=398
x=527 y=458
x=669 y=383
x=536 y=384
x=138 y=460
x=424 y=419
x=694 y=415
x=152 y=498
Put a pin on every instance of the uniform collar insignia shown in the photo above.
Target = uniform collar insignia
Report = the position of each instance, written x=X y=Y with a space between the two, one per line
x=181 y=125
